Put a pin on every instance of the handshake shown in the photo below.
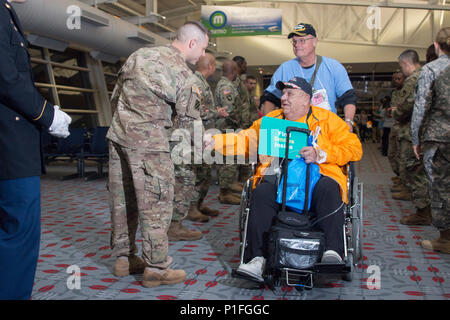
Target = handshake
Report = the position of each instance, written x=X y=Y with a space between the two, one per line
x=208 y=141
x=60 y=124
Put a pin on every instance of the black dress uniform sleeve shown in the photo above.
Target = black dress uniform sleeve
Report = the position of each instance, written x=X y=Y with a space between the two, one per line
x=17 y=90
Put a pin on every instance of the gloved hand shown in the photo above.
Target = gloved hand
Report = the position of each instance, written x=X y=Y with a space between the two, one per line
x=60 y=124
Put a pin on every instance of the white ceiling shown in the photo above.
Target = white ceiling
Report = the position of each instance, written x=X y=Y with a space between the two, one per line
x=341 y=27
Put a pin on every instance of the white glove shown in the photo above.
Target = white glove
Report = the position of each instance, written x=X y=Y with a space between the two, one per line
x=60 y=124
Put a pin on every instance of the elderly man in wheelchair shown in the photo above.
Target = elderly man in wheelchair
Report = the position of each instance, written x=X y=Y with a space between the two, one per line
x=333 y=148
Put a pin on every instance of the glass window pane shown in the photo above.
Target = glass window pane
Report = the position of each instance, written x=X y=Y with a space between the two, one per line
x=47 y=94
x=35 y=52
x=110 y=82
x=40 y=73
x=83 y=120
x=70 y=57
x=72 y=78
x=111 y=67
x=76 y=100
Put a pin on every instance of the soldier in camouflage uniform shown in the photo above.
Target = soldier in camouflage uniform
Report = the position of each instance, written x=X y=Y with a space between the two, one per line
x=185 y=193
x=244 y=103
x=250 y=84
x=141 y=176
x=248 y=112
x=227 y=96
x=411 y=169
x=430 y=130
x=398 y=78
x=209 y=113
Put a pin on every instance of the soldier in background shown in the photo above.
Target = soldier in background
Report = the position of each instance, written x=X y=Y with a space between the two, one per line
x=398 y=78
x=250 y=84
x=411 y=169
x=227 y=96
x=244 y=170
x=209 y=112
x=154 y=88
x=430 y=131
x=185 y=193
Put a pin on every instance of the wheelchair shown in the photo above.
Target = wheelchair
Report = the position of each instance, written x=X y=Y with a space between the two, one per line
x=303 y=279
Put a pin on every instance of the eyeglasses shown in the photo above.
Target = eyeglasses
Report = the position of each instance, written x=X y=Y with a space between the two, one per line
x=301 y=41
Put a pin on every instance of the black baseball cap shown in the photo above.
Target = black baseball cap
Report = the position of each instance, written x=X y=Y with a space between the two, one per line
x=295 y=83
x=302 y=29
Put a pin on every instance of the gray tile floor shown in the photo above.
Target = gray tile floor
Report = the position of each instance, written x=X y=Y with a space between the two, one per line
x=76 y=231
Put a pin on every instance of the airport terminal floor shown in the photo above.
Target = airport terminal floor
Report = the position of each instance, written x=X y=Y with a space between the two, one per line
x=76 y=231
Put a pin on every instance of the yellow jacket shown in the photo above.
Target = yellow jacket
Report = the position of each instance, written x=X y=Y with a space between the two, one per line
x=340 y=145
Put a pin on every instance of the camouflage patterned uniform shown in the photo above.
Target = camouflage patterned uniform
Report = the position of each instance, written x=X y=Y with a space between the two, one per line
x=394 y=147
x=246 y=119
x=208 y=114
x=244 y=102
x=227 y=96
x=430 y=128
x=411 y=169
x=185 y=192
x=141 y=175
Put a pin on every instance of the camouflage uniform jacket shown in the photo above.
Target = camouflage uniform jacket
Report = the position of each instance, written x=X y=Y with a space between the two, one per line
x=431 y=107
x=244 y=102
x=395 y=98
x=152 y=84
x=227 y=96
x=208 y=110
x=405 y=105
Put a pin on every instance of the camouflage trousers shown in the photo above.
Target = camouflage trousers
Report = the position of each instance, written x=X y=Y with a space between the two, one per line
x=413 y=175
x=203 y=180
x=244 y=172
x=226 y=174
x=393 y=151
x=185 y=192
x=140 y=188
x=437 y=165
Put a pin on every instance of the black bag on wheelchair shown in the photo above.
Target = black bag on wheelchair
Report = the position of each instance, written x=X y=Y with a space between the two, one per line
x=293 y=242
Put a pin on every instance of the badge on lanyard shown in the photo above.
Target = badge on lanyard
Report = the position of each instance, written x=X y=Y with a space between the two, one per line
x=320 y=99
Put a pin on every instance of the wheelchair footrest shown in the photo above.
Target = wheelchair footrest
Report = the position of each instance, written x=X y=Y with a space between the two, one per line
x=332 y=268
x=236 y=274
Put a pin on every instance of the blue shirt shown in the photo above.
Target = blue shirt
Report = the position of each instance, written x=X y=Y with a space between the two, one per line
x=331 y=76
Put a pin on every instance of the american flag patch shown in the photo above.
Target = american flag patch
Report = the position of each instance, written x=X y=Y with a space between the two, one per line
x=225 y=92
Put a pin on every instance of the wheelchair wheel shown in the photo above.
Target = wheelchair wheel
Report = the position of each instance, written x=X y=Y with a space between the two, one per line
x=243 y=217
x=357 y=221
x=349 y=275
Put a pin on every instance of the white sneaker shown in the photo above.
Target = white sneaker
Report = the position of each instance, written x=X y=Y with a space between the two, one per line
x=254 y=268
x=332 y=257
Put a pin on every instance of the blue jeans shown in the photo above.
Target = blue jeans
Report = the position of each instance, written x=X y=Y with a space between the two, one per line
x=20 y=229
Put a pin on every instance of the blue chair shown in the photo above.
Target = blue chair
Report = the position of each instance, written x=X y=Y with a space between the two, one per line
x=97 y=150
x=65 y=148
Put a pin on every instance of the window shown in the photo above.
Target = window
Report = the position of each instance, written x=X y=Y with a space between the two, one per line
x=111 y=70
x=63 y=79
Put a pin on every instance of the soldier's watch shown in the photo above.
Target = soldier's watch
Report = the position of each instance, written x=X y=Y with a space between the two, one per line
x=350 y=121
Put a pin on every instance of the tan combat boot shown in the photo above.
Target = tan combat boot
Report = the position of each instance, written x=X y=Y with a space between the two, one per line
x=154 y=277
x=421 y=218
x=237 y=187
x=208 y=211
x=398 y=187
x=396 y=179
x=124 y=266
x=227 y=197
x=178 y=232
x=402 y=195
x=196 y=215
x=441 y=244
